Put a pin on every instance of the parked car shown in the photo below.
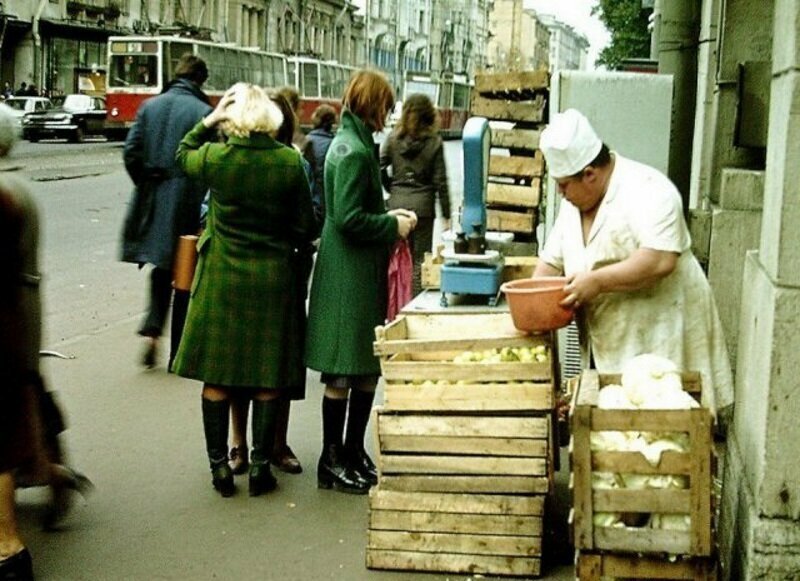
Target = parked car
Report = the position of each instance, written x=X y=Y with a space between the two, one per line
x=22 y=105
x=77 y=117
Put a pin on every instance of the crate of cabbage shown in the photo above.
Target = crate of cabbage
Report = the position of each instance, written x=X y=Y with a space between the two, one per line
x=642 y=458
x=464 y=363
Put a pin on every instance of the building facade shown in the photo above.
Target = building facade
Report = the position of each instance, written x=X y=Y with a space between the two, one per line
x=568 y=48
x=59 y=46
x=517 y=38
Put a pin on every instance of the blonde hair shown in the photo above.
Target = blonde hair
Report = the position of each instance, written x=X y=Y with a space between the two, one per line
x=252 y=111
x=370 y=97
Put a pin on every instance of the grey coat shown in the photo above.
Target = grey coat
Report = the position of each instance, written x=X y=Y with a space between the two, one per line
x=165 y=204
x=418 y=174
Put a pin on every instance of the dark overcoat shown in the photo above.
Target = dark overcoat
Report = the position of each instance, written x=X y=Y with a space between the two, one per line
x=165 y=203
x=243 y=328
x=349 y=292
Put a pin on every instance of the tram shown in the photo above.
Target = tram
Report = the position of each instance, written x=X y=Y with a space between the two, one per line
x=449 y=92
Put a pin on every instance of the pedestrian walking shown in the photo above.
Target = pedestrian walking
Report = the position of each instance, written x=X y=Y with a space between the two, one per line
x=414 y=173
x=165 y=203
x=621 y=240
x=316 y=148
x=241 y=333
x=349 y=287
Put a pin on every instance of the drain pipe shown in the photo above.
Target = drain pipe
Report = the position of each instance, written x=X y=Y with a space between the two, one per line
x=37 y=44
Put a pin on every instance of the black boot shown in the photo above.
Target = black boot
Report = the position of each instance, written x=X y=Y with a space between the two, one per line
x=264 y=416
x=17 y=567
x=357 y=418
x=333 y=471
x=216 y=417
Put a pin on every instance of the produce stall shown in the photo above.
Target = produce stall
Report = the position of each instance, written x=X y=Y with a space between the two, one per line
x=466 y=457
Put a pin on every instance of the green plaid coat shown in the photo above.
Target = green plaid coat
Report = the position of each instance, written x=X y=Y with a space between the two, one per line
x=349 y=290
x=246 y=321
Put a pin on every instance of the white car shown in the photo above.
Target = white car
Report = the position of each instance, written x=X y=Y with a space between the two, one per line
x=21 y=105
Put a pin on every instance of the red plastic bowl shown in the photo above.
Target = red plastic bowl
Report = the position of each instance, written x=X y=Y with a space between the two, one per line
x=534 y=303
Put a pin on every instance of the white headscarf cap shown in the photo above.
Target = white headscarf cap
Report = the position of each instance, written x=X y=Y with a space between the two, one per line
x=569 y=144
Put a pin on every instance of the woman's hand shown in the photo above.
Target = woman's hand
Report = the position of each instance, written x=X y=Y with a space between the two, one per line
x=220 y=113
x=407 y=213
x=404 y=225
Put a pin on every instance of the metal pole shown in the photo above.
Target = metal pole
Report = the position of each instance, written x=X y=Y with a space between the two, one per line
x=367 y=59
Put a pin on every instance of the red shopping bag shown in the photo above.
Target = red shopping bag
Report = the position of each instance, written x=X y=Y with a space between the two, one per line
x=401 y=270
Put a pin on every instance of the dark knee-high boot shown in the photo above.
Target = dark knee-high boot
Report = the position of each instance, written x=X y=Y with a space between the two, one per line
x=264 y=416
x=357 y=418
x=216 y=416
x=333 y=470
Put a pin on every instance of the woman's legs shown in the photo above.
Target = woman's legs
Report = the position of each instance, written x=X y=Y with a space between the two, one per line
x=333 y=470
x=15 y=561
x=240 y=408
x=282 y=456
x=359 y=410
x=216 y=415
x=266 y=405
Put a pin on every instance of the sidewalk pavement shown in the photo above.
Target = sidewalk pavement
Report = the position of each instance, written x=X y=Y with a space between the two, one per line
x=138 y=435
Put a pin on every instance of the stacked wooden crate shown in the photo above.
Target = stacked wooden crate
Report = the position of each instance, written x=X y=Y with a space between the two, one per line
x=465 y=453
x=515 y=180
x=638 y=551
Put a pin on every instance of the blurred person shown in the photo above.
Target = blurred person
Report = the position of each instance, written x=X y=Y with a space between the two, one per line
x=243 y=334
x=414 y=173
x=293 y=98
x=349 y=286
x=316 y=148
x=283 y=458
x=165 y=203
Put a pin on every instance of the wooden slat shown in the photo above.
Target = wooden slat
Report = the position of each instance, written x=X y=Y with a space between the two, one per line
x=393 y=331
x=476 y=326
x=467 y=484
x=443 y=562
x=641 y=540
x=463 y=544
x=398 y=370
x=588 y=389
x=499 y=109
x=415 y=464
x=671 y=501
x=644 y=420
x=462 y=426
x=588 y=567
x=525 y=448
x=468 y=397
x=593 y=566
x=504 y=221
x=390 y=347
x=515 y=166
x=582 y=477
x=456 y=503
x=635 y=463
x=526 y=139
x=691 y=380
x=512 y=81
x=700 y=479
x=526 y=196
x=401 y=520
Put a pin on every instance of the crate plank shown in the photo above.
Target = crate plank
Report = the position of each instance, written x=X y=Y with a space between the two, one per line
x=462 y=426
x=580 y=447
x=644 y=420
x=402 y=520
x=526 y=196
x=500 y=109
x=700 y=478
x=462 y=445
x=505 y=397
x=634 y=463
x=594 y=566
x=447 y=563
x=505 y=221
x=395 y=370
x=466 y=544
x=673 y=501
x=516 y=166
x=488 y=83
x=641 y=540
x=456 y=503
x=466 y=484
x=415 y=464
x=453 y=346
x=525 y=139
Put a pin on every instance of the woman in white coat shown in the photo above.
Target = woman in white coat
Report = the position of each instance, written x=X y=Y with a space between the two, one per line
x=621 y=240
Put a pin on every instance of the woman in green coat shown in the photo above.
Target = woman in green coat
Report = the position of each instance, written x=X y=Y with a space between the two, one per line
x=349 y=290
x=240 y=334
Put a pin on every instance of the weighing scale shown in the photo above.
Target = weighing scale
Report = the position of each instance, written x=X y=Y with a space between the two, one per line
x=474 y=274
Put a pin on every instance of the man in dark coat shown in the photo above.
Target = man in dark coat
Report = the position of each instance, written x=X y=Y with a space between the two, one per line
x=165 y=203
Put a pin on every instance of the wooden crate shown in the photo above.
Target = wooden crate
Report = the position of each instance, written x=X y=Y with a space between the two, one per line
x=532 y=111
x=456 y=453
x=506 y=194
x=596 y=566
x=457 y=533
x=696 y=464
x=518 y=84
x=514 y=267
x=517 y=166
x=421 y=348
x=509 y=221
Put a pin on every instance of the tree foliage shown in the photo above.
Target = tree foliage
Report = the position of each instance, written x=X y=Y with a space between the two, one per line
x=626 y=22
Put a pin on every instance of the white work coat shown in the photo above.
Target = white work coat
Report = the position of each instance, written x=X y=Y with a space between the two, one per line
x=677 y=317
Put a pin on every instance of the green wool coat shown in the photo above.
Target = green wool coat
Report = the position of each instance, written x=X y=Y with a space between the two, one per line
x=349 y=290
x=245 y=325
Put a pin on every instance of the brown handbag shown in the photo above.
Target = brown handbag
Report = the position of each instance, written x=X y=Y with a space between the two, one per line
x=185 y=262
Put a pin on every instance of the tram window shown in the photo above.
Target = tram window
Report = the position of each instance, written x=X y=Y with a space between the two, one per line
x=257 y=72
x=446 y=95
x=133 y=71
x=273 y=72
x=460 y=97
x=310 y=80
x=174 y=51
x=292 y=74
x=328 y=81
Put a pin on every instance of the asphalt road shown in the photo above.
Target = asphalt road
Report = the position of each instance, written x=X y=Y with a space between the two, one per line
x=138 y=433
